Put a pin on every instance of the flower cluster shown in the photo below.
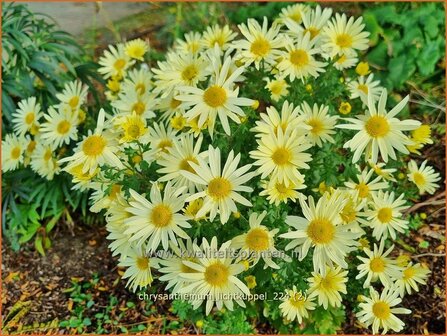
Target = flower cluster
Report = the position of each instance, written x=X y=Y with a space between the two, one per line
x=161 y=165
x=41 y=138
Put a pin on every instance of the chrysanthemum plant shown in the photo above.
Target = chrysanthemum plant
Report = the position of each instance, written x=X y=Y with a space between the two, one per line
x=43 y=112
x=36 y=193
x=262 y=159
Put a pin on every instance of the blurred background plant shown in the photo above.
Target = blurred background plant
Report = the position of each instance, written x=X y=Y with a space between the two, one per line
x=37 y=59
x=407 y=42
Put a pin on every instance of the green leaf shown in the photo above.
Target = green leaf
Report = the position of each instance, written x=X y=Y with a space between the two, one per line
x=74 y=322
x=387 y=14
x=39 y=246
x=373 y=27
x=378 y=55
x=86 y=321
x=424 y=244
x=400 y=69
x=413 y=37
x=31 y=230
x=47 y=243
x=50 y=225
x=428 y=57
x=431 y=27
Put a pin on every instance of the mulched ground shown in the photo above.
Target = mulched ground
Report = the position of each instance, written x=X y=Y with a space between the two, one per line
x=28 y=277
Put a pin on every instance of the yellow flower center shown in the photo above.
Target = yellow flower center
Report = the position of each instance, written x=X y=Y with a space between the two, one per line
x=48 y=155
x=362 y=68
x=317 y=126
x=217 y=274
x=377 y=126
x=296 y=16
x=381 y=310
x=113 y=85
x=418 y=179
x=15 y=153
x=344 y=40
x=140 y=88
x=137 y=159
x=328 y=282
x=73 y=102
x=321 y=231
x=281 y=156
x=408 y=273
x=251 y=281
x=164 y=145
x=161 y=216
x=257 y=239
x=136 y=51
x=281 y=188
x=133 y=131
x=312 y=31
x=63 y=127
x=219 y=188
x=178 y=122
x=29 y=118
x=81 y=115
x=215 y=96
x=142 y=263
x=189 y=73
x=422 y=134
x=363 y=189
x=119 y=64
x=186 y=165
x=348 y=214
x=377 y=265
x=345 y=108
x=363 y=88
x=139 y=108
x=297 y=299
x=299 y=58
x=385 y=215
x=276 y=88
x=94 y=145
x=260 y=47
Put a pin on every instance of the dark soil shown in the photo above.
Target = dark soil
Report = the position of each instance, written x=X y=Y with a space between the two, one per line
x=27 y=276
